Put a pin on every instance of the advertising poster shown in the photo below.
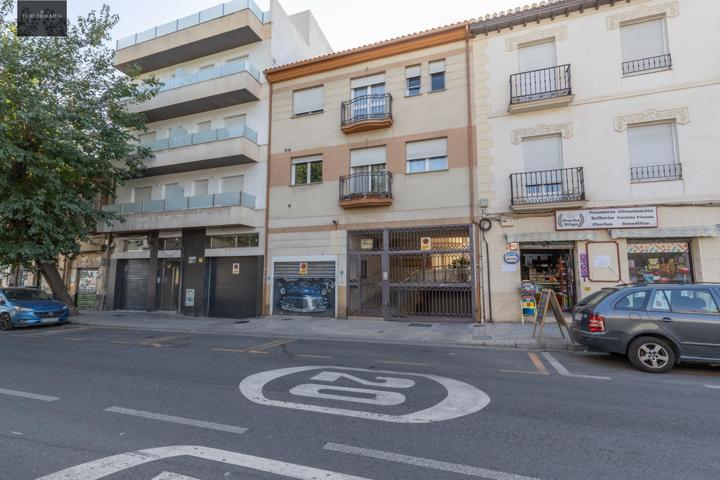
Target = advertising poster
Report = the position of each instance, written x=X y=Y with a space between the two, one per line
x=304 y=296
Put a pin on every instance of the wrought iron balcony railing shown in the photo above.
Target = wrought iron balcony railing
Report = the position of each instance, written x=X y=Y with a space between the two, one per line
x=366 y=107
x=366 y=185
x=660 y=62
x=649 y=173
x=542 y=84
x=547 y=186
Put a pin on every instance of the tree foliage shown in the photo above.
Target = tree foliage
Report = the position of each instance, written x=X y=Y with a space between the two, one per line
x=66 y=137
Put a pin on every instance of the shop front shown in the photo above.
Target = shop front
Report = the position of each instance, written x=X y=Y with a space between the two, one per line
x=550 y=266
x=659 y=260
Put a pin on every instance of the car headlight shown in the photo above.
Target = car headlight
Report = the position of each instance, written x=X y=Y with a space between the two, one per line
x=23 y=309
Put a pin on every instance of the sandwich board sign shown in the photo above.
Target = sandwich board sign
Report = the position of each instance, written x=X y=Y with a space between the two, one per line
x=548 y=301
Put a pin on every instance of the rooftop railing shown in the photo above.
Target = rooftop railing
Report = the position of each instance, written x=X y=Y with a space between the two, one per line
x=195 y=19
x=203 y=137
x=184 y=203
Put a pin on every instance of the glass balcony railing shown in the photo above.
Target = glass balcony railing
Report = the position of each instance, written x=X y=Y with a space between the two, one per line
x=225 y=199
x=208 y=74
x=192 y=20
x=203 y=137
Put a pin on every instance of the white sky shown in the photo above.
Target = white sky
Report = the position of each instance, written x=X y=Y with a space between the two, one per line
x=346 y=23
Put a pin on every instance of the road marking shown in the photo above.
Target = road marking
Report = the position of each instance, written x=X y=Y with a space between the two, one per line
x=395 y=362
x=180 y=420
x=256 y=348
x=58 y=331
x=75 y=339
x=716 y=387
x=107 y=466
x=564 y=371
x=258 y=351
x=308 y=355
x=32 y=396
x=521 y=371
x=425 y=462
x=157 y=342
x=173 y=476
x=538 y=363
x=462 y=399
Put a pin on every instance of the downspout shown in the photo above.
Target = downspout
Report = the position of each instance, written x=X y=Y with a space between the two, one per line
x=472 y=160
x=265 y=305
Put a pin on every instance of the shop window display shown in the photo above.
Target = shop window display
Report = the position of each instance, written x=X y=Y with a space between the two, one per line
x=659 y=261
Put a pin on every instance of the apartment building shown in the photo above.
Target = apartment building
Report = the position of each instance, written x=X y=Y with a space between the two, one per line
x=193 y=237
x=370 y=182
x=596 y=158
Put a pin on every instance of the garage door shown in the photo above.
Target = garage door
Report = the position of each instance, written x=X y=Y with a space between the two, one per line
x=234 y=287
x=133 y=279
x=304 y=288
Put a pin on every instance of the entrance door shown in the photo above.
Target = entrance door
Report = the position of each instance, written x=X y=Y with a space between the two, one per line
x=133 y=281
x=550 y=268
x=234 y=285
x=169 y=284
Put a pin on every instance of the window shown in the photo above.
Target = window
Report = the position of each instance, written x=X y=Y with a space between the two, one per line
x=235 y=183
x=200 y=187
x=204 y=126
x=368 y=97
x=412 y=78
x=174 y=190
x=633 y=301
x=237 y=60
x=536 y=56
x=652 y=144
x=141 y=194
x=173 y=243
x=688 y=300
x=306 y=170
x=136 y=244
x=234 y=124
x=437 y=75
x=308 y=101
x=543 y=161
x=241 y=240
x=427 y=155
x=147 y=138
x=366 y=167
x=643 y=40
x=656 y=261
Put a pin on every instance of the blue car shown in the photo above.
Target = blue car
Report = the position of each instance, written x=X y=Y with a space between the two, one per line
x=30 y=306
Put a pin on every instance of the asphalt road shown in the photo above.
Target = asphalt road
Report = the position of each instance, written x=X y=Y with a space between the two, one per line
x=168 y=406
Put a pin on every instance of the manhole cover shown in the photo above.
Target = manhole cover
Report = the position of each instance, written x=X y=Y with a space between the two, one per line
x=420 y=325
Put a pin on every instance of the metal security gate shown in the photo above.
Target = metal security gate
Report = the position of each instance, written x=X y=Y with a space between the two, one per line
x=304 y=288
x=235 y=287
x=133 y=281
x=415 y=273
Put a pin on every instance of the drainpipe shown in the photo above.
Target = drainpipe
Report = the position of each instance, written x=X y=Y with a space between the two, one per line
x=266 y=272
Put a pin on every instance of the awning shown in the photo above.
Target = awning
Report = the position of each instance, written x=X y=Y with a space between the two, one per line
x=670 y=232
x=550 y=236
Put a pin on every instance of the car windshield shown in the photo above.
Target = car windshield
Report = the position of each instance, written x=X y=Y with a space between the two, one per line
x=597 y=297
x=27 y=294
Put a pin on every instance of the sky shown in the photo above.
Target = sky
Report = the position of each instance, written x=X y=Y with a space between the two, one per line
x=346 y=23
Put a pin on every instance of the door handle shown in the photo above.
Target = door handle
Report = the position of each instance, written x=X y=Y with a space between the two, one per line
x=667 y=319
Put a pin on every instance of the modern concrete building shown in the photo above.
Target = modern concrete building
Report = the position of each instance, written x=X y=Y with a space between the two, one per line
x=596 y=146
x=370 y=182
x=193 y=234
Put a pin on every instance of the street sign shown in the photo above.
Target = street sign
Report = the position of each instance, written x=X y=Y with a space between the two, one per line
x=236 y=269
x=425 y=243
x=378 y=388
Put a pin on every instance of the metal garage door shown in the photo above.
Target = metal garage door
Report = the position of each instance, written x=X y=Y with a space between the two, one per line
x=234 y=287
x=304 y=288
x=133 y=281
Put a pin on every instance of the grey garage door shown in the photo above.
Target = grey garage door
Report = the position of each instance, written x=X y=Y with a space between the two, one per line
x=133 y=280
x=235 y=285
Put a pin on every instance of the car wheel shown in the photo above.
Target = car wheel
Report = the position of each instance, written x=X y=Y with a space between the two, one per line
x=6 y=322
x=651 y=354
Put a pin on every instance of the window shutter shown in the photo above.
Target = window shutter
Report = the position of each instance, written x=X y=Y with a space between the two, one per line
x=427 y=149
x=234 y=121
x=308 y=100
x=642 y=40
x=308 y=159
x=368 y=156
x=542 y=153
x=235 y=183
x=651 y=145
x=369 y=80
x=537 y=56
x=437 y=66
x=413 y=71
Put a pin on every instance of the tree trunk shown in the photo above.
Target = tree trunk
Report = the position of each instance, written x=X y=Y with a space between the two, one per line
x=59 y=289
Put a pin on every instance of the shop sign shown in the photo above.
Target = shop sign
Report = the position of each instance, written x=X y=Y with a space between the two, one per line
x=303 y=268
x=512 y=247
x=584 y=268
x=511 y=258
x=236 y=269
x=641 y=217
x=366 y=244
x=425 y=243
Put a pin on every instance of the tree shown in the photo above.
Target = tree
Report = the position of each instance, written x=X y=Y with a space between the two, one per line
x=66 y=139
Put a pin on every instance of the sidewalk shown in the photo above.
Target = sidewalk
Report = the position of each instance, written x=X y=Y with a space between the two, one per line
x=358 y=329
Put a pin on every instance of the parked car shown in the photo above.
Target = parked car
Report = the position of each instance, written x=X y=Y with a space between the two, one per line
x=30 y=306
x=655 y=325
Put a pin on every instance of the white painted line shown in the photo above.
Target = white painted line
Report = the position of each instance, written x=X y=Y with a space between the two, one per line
x=308 y=355
x=564 y=371
x=32 y=396
x=396 y=362
x=173 y=476
x=180 y=420
x=107 y=466
x=426 y=462
x=716 y=387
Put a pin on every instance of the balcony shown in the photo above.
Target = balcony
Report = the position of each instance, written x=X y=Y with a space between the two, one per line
x=371 y=189
x=220 y=209
x=221 y=147
x=544 y=88
x=186 y=94
x=646 y=65
x=213 y=30
x=656 y=173
x=368 y=112
x=541 y=189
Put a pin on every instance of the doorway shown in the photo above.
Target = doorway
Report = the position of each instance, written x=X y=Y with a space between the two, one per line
x=169 y=284
x=552 y=268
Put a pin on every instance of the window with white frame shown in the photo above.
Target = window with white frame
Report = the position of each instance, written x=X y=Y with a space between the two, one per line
x=427 y=155
x=234 y=124
x=653 y=151
x=308 y=101
x=141 y=194
x=147 y=138
x=200 y=187
x=233 y=183
x=543 y=160
x=536 y=56
x=367 y=167
x=413 y=81
x=204 y=126
x=306 y=170
x=173 y=190
x=644 y=46
x=437 y=75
